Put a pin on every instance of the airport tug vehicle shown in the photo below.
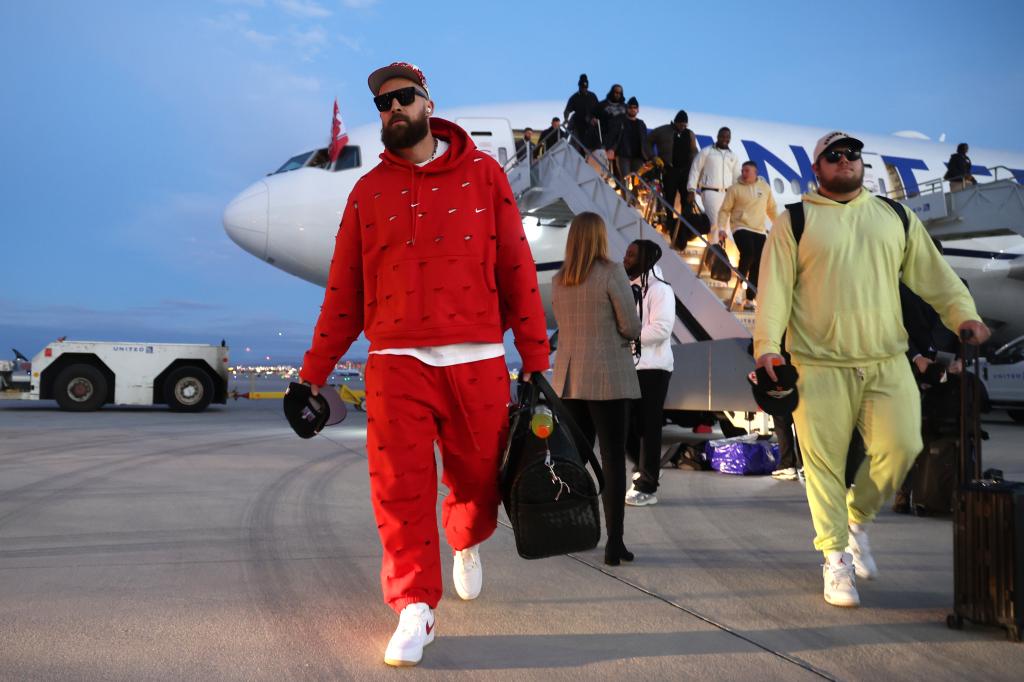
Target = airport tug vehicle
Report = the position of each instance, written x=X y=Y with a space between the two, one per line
x=85 y=375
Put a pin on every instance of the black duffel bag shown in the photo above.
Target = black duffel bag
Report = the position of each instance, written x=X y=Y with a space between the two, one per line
x=548 y=494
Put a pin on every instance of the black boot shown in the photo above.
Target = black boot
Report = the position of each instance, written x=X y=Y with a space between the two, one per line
x=615 y=551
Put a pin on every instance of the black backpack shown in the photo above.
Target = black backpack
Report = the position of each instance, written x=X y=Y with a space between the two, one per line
x=548 y=494
x=796 y=216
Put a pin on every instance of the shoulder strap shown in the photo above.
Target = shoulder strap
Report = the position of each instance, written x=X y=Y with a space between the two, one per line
x=796 y=220
x=899 y=209
x=582 y=444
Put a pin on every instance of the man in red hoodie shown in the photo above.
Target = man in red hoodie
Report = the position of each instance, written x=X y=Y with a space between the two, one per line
x=431 y=261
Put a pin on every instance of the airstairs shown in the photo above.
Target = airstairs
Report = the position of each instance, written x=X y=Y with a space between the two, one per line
x=710 y=340
x=985 y=209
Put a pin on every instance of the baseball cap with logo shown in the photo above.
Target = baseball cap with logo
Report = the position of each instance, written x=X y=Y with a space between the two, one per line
x=775 y=397
x=834 y=138
x=308 y=414
x=396 y=70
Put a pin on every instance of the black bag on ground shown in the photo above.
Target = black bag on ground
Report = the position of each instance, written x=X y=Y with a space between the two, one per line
x=988 y=529
x=686 y=456
x=548 y=494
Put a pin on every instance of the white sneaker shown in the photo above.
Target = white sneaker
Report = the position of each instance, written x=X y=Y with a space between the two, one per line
x=635 y=498
x=787 y=474
x=840 y=583
x=468 y=574
x=415 y=631
x=860 y=548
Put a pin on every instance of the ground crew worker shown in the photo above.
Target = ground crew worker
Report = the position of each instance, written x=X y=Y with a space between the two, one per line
x=430 y=260
x=714 y=170
x=836 y=294
x=748 y=205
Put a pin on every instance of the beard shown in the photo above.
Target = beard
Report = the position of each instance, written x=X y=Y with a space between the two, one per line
x=841 y=185
x=403 y=137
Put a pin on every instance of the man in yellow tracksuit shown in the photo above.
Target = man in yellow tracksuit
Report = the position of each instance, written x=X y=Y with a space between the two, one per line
x=836 y=293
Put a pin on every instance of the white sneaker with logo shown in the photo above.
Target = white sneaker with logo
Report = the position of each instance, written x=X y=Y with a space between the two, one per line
x=840 y=582
x=635 y=498
x=787 y=474
x=860 y=548
x=467 y=573
x=415 y=631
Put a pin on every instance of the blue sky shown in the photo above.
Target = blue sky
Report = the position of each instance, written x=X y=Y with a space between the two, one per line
x=127 y=126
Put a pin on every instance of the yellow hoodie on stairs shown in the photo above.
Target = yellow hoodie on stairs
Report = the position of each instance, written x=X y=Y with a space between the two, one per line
x=837 y=293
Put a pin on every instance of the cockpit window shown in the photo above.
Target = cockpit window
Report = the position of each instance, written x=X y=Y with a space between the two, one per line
x=293 y=163
x=350 y=158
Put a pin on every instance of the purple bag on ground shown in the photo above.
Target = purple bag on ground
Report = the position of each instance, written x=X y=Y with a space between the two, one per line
x=742 y=456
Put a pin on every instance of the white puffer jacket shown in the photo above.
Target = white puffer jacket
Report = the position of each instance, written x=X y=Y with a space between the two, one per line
x=658 y=317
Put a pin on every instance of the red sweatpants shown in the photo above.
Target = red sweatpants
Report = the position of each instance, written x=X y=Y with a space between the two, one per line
x=409 y=406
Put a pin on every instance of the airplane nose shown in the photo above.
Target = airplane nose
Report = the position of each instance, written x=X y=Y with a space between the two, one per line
x=245 y=219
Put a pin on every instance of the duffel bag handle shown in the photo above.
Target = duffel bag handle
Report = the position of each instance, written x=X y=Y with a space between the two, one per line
x=526 y=400
x=562 y=414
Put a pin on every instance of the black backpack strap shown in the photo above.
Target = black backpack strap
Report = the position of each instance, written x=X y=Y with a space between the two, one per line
x=582 y=443
x=796 y=220
x=899 y=209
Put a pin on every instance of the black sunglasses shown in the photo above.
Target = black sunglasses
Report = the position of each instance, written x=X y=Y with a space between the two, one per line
x=833 y=155
x=405 y=97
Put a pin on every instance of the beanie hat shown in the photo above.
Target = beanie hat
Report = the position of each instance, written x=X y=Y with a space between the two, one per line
x=632 y=102
x=775 y=397
x=681 y=117
x=307 y=414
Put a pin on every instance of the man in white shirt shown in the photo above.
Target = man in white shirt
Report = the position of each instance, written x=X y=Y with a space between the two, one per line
x=654 y=368
x=714 y=170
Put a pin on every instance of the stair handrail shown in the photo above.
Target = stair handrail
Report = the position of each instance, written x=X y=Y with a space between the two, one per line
x=588 y=153
x=936 y=184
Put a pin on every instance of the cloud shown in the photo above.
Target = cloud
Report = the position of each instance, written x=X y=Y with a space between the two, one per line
x=260 y=39
x=309 y=43
x=359 y=4
x=307 y=9
x=354 y=44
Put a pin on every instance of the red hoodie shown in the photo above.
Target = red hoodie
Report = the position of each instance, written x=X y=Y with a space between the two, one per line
x=429 y=256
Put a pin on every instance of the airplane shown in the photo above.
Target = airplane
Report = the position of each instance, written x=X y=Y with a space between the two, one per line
x=290 y=217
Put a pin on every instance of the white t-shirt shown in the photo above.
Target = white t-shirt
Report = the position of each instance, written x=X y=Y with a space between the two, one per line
x=452 y=353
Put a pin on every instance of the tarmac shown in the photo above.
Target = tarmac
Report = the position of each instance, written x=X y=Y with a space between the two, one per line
x=139 y=544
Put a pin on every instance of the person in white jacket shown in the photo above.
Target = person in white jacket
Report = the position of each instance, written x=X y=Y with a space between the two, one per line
x=654 y=368
x=714 y=170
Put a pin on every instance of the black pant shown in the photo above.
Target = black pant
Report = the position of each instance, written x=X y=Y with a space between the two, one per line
x=647 y=418
x=789 y=454
x=608 y=418
x=750 y=244
x=674 y=182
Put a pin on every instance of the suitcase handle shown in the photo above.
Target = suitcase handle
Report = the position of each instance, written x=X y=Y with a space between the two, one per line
x=969 y=466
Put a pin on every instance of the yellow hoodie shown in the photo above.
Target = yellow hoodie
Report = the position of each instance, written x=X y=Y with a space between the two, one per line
x=837 y=293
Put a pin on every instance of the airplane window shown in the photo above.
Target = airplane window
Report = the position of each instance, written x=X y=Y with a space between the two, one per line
x=794 y=185
x=293 y=163
x=780 y=187
x=350 y=158
x=320 y=159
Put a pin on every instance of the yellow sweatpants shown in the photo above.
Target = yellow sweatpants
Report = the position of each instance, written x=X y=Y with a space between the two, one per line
x=883 y=402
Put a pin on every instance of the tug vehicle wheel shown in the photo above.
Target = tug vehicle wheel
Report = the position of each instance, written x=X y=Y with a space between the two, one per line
x=188 y=389
x=80 y=388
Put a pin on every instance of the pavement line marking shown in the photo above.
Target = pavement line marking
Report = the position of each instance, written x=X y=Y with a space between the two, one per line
x=639 y=588
x=725 y=628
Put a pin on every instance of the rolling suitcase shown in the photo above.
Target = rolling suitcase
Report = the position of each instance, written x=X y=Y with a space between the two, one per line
x=988 y=530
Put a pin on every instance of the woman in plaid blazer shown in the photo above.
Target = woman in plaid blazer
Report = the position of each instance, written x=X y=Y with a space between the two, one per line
x=594 y=370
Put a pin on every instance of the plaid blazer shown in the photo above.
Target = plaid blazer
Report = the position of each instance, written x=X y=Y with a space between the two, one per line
x=596 y=321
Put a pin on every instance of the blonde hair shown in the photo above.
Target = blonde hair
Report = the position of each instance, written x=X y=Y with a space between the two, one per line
x=586 y=244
